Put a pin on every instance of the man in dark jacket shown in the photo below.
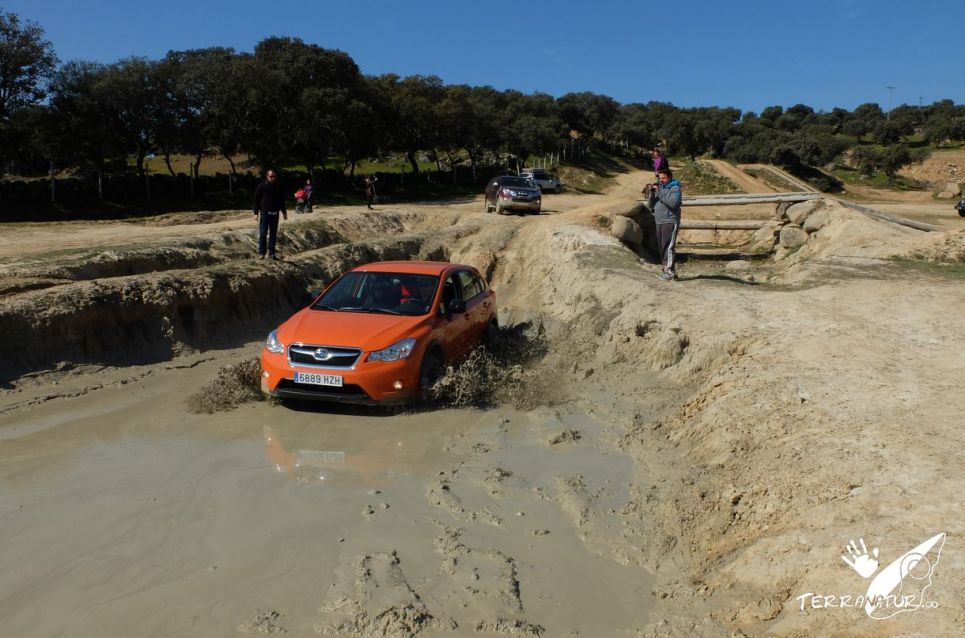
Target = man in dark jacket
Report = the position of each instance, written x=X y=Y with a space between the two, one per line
x=269 y=202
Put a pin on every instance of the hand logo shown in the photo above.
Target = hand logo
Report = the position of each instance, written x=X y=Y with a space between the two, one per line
x=861 y=561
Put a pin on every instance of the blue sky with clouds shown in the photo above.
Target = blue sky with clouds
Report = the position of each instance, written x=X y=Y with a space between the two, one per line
x=743 y=53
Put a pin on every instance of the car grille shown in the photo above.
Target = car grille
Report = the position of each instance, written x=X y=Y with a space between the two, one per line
x=322 y=356
x=347 y=390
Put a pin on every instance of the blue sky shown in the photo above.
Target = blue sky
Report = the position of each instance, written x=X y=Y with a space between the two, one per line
x=743 y=53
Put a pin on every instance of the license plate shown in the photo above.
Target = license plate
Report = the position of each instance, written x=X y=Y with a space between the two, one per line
x=319 y=457
x=318 y=379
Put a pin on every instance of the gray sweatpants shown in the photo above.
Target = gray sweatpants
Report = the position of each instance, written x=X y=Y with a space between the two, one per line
x=666 y=238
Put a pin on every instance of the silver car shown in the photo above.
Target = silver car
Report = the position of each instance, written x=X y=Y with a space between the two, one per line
x=545 y=181
x=513 y=193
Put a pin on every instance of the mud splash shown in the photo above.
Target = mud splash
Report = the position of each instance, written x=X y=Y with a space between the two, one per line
x=236 y=384
x=508 y=371
x=505 y=372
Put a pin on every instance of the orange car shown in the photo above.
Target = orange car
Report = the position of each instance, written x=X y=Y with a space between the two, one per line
x=382 y=333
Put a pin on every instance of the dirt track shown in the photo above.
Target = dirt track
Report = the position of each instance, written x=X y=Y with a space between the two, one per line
x=688 y=460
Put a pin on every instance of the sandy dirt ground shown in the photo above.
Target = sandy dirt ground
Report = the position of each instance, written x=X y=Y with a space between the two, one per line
x=683 y=458
x=745 y=181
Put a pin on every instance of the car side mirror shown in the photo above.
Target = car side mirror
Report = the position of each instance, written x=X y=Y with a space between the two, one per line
x=456 y=307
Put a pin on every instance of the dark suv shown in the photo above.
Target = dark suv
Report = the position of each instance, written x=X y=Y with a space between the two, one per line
x=513 y=193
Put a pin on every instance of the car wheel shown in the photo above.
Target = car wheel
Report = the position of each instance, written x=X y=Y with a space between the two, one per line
x=430 y=373
x=558 y=189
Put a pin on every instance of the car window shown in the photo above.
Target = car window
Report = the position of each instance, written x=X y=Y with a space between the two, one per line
x=380 y=292
x=470 y=284
x=450 y=291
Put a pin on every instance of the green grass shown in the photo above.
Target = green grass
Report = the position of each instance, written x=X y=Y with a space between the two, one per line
x=878 y=180
x=389 y=165
x=952 y=270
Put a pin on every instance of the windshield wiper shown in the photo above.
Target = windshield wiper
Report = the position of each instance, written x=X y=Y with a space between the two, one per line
x=372 y=310
x=321 y=306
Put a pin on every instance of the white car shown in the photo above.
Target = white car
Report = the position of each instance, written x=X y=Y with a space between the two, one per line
x=544 y=180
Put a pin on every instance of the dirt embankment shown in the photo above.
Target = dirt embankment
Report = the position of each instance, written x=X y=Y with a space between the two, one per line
x=145 y=304
x=939 y=170
x=726 y=434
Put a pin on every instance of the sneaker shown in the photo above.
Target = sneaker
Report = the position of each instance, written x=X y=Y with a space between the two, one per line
x=666 y=276
x=274 y=257
x=261 y=256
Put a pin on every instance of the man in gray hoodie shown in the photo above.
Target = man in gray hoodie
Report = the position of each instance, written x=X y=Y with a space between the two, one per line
x=664 y=200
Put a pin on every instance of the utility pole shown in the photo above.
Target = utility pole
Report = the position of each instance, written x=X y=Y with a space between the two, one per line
x=919 y=100
x=890 y=90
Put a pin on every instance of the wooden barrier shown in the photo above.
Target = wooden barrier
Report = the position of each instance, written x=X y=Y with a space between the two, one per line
x=702 y=224
x=749 y=198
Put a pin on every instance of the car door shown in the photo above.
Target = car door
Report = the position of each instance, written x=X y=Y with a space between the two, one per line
x=478 y=305
x=452 y=327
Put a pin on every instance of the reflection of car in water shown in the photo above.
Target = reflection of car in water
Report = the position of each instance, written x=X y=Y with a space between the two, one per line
x=380 y=462
x=382 y=333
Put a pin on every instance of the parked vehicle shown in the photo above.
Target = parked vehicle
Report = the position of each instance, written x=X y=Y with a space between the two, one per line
x=546 y=181
x=382 y=333
x=510 y=192
x=961 y=208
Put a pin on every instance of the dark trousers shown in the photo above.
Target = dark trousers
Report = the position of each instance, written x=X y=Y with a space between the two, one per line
x=267 y=229
x=666 y=238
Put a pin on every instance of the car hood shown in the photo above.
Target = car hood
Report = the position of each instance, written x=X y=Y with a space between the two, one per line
x=349 y=329
x=522 y=189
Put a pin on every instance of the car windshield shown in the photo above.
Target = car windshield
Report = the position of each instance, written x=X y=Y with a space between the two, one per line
x=381 y=293
x=518 y=182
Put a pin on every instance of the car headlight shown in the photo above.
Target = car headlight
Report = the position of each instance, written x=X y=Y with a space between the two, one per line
x=396 y=351
x=273 y=344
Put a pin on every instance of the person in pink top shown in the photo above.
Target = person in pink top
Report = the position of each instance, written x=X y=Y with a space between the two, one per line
x=659 y=162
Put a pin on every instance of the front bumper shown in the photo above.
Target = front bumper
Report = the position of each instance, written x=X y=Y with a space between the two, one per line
x=369 y=383
x=515 y=204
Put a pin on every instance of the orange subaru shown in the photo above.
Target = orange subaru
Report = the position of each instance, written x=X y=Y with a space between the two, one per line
x=382 y=333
